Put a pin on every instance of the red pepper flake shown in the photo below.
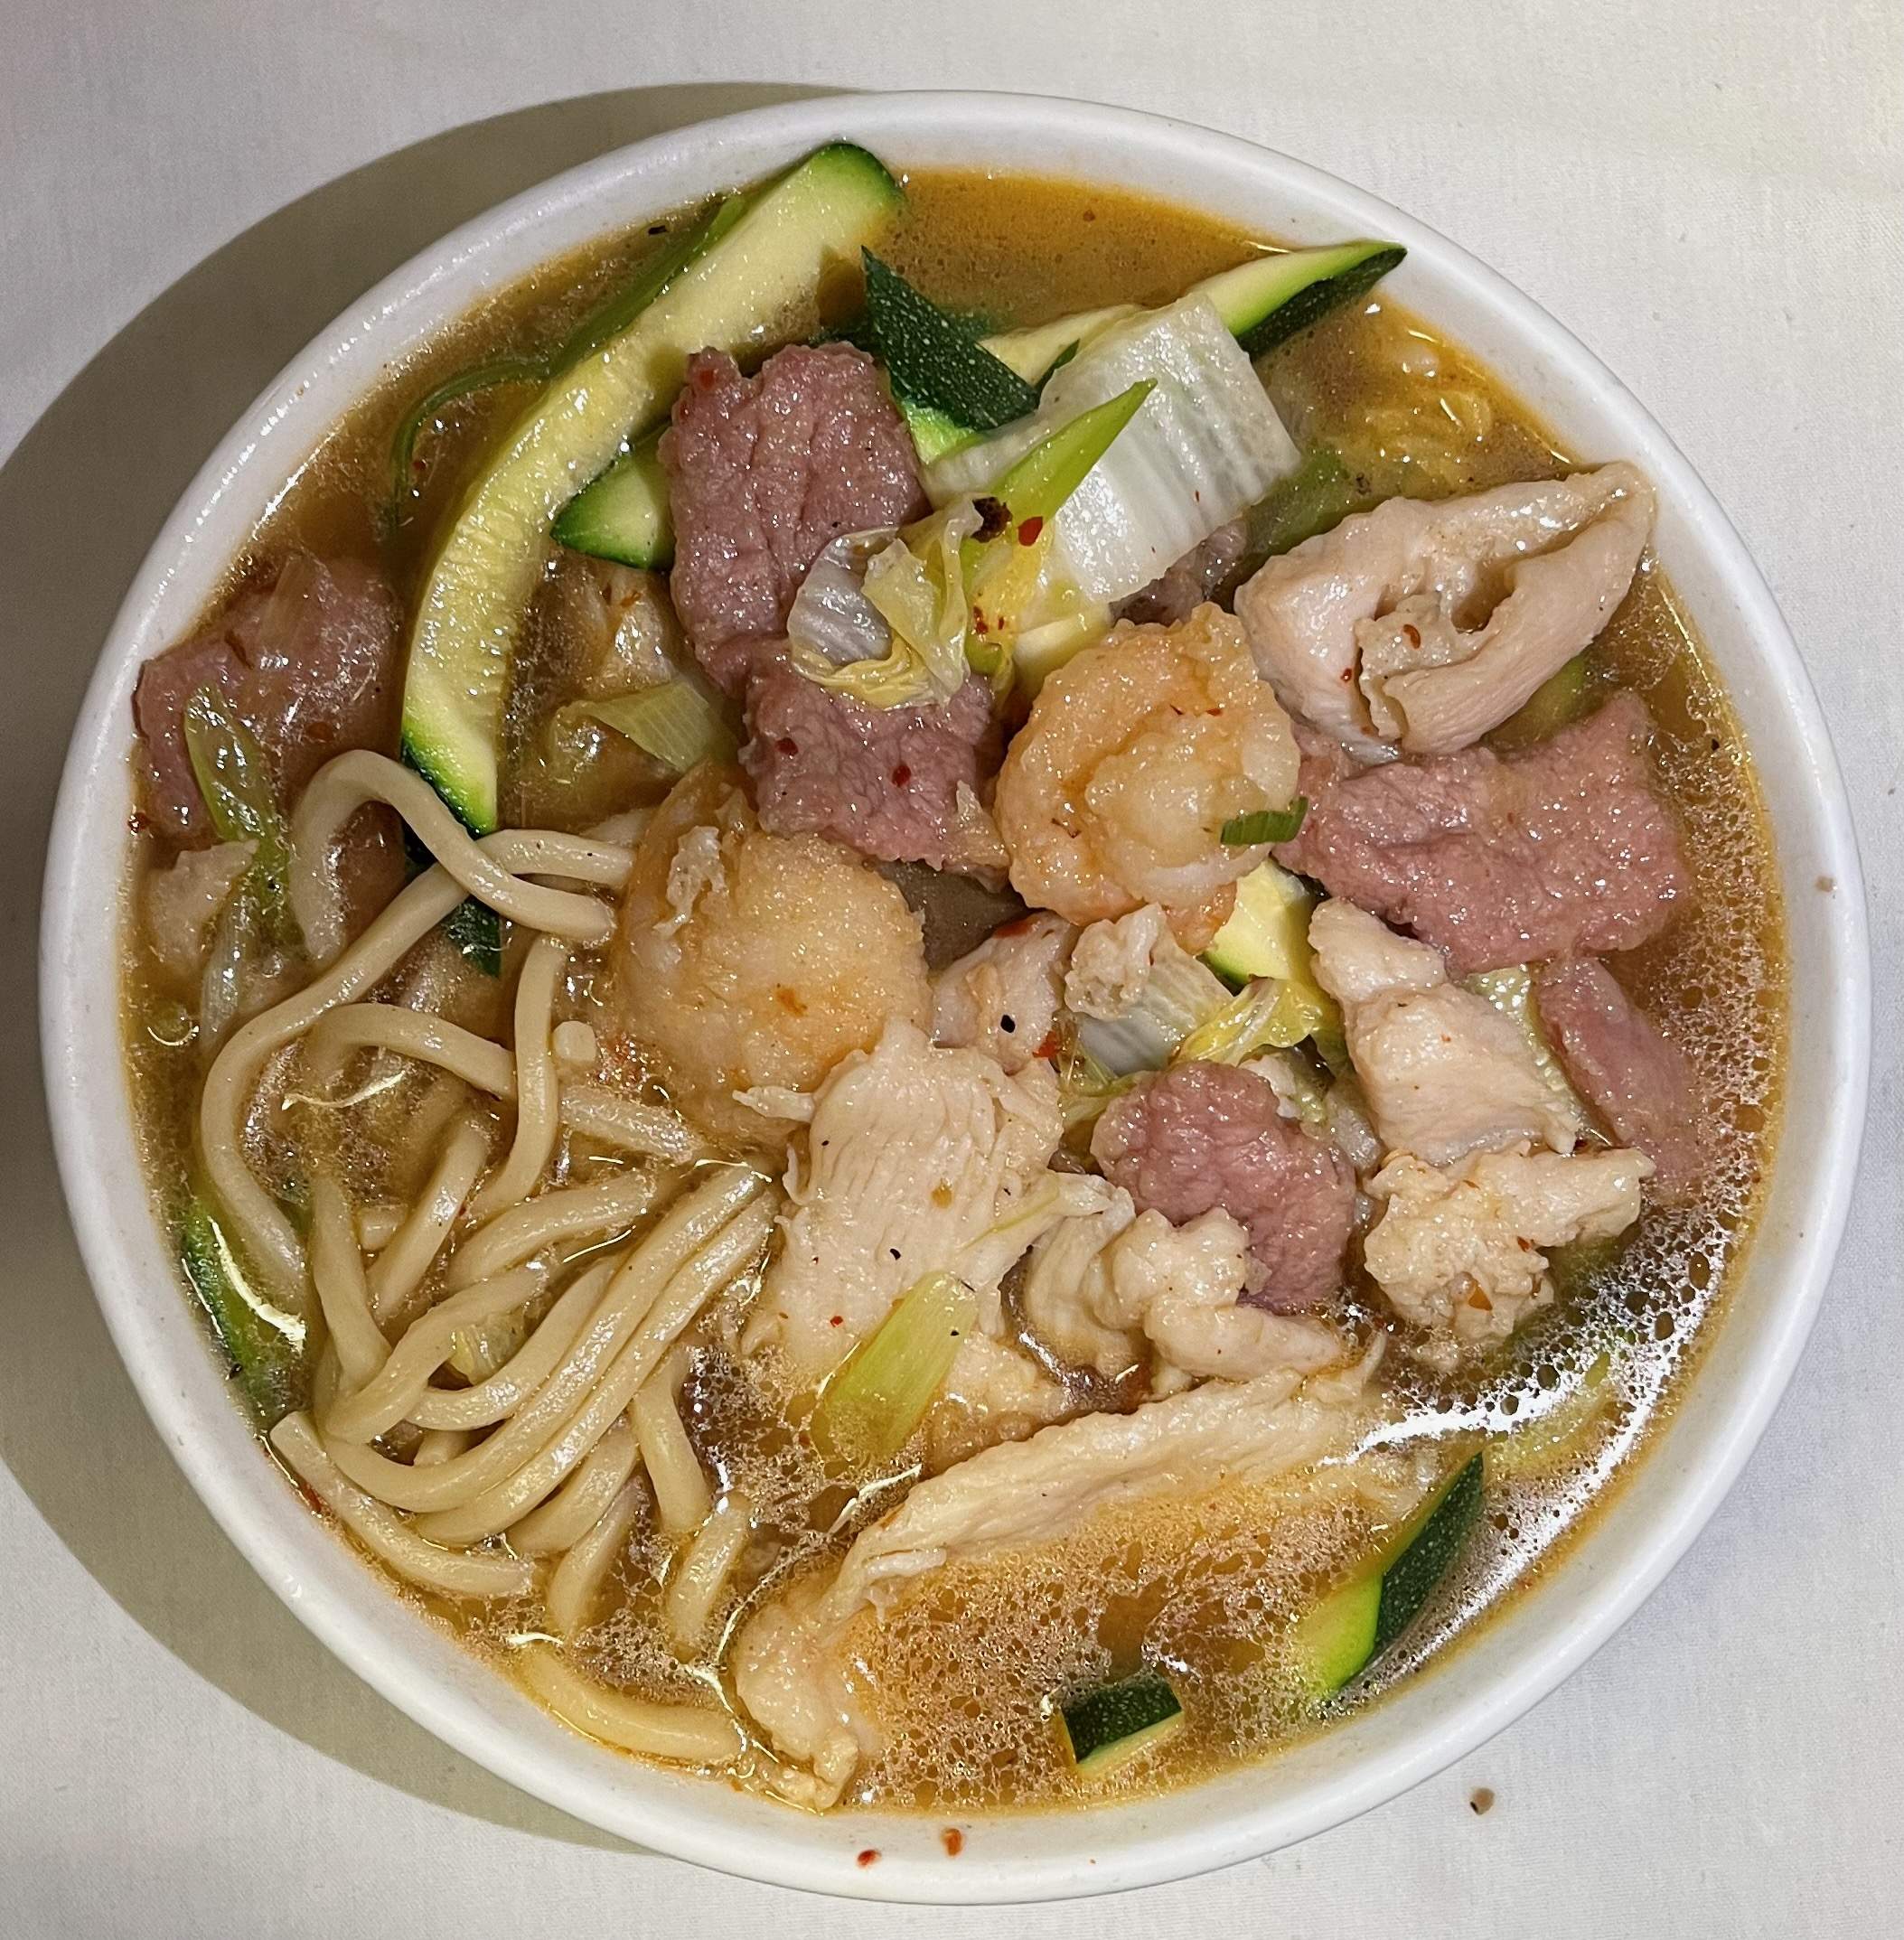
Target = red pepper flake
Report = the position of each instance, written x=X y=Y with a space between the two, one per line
x=138 y=821
x=1049 y=1048
x=706 y=376
x=978 y=620
x=1348 y=676
x=1414 y=635
x=838 y=1320
x=869 y=1856
x=902 y=774
x=1028 y=531
x=787 y=744
x=953 y=1840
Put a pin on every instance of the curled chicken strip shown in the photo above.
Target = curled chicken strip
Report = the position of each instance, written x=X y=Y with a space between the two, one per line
x=1421 y=626
x=1137 y=751
x=1456 y=1249
x=1443 y=1072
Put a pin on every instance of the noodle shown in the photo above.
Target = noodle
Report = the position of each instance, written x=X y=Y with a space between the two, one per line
x=536 y=1094
x=682 y=1732
x=377 y=1401
x=377 y=1225
x=414 y=1034
x=607 y=1115
x=438 y=1445
x=604 y=1205
x=576 y=1582
x=525 y=1371
x=574 y=1044
x=473 y=1517
x=388 y=1537
x=399 y=1267
x=265 y=1235
x=700 y=1579
x=342 y=786
x=681 y=1234
x=581 y=1502
x=682 y=1496
x=337 y=1267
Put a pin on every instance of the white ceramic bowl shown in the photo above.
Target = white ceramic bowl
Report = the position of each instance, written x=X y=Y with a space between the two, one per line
x=1433 y=1719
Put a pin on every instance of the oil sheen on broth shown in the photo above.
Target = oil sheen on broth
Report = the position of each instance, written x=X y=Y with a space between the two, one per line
x=960 y=1672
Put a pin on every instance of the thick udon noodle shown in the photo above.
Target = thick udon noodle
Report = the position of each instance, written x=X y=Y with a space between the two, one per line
x=590 y=1394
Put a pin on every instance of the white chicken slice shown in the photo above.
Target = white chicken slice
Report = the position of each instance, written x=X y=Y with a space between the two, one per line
x=1002 y=997
x=1181 y=1286
x=1456 y=1250
x=1371 y=630
x=790 y=1668
x=1104 y=1289
x=919 y=1159
x=1444 y=1072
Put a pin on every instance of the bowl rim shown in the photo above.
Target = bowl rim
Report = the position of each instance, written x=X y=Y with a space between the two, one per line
x=1114 y=1847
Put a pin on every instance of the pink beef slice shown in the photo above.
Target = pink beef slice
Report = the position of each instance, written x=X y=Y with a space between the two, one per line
x=1643 y=1088
x=1201 y=1136
x=307 y=660
x=1566 y=849
x=883 y=780
x=1200 y=575
x=764 y=472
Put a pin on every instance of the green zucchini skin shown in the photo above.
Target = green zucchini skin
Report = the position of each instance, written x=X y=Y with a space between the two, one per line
x=934 y=360
x=1267 y=303
x=625 y=514
x=1408 y=1581
x=1340 y=1636
x=1106 y=1728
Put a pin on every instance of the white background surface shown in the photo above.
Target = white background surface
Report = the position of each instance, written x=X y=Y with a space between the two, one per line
x=1710 y=193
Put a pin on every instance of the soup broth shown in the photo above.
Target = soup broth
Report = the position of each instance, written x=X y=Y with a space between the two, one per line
x=960 y=1671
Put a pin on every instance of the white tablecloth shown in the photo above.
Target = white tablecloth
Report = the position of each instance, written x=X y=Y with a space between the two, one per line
x=1709 y=192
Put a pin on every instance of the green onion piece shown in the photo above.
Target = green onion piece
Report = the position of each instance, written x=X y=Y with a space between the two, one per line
x=682 y=723
x=463 y=384
x=1037 y=485
x=234 y=778
x=266 y=1345
x=1266 y=825
x=1316 y=497
x=871 y=1405
x=1560 y=700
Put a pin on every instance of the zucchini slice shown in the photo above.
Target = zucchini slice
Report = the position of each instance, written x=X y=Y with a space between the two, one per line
x=1263 y=301
x=1107 y=1727
x=1268 y=930
x=1268 y=301
x=624 y=515
x=734 y=293
x=1340 y=1636
x=936 y=363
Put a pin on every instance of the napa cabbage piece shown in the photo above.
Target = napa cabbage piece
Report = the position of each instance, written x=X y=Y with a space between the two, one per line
x=898 y=640
x=1205 y=446
x=900 y=618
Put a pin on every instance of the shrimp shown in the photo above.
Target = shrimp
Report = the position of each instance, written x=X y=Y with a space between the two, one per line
x=1136 y=753
x=747 y=959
